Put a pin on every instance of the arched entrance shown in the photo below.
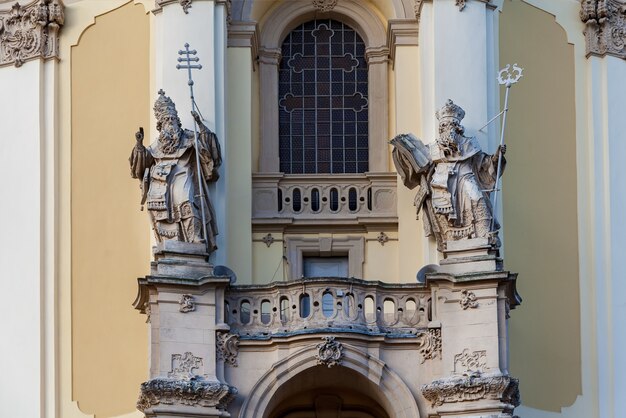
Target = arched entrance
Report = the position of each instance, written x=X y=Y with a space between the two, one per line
x=322 y=392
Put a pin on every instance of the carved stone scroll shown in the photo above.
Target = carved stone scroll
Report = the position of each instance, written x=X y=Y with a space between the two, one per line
x=192 y=392
x=187 y=304
x=464 y=389
x=30 y=31
x=228 y=347
x=605 y=31
x=430 y=344
x=184 y=366
x=330 y=352
x=470 y=363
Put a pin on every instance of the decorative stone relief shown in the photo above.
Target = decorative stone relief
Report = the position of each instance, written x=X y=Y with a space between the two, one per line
x=228 y=347
x=148 y=310
x=430 y=344
x=605 y=31
x=462 y=389
x=382 y=238
x=324 y=5
x=30 y=31
x=470 y=363
x=187 y=304
x=330 y=352
x=460 y=4
x=418 y=8
x=192 y=392
x=468 y=299
x=268 y=240
x=184 y=366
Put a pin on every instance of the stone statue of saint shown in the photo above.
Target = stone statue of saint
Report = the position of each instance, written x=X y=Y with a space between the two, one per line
x=170 y=180
x=454 y=180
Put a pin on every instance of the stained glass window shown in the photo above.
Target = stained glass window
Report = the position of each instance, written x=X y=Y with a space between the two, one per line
x=323 y=103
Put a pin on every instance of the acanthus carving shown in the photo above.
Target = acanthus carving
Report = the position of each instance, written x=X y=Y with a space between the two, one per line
x=192 y=392
x=30 y=31
x=473 y=388
x=228 y=347
x=324 y=5
x=468 y=300
x=330 y=352
x=187 y=304
x=430 y=344
x=470 y=363
x=605 y=31
x=184 y=366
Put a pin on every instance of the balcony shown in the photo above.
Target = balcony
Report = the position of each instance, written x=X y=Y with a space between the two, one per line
x=315 y=305
x=313 y=199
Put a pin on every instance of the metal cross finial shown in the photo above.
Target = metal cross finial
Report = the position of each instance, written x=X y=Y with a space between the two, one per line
x=512 y=76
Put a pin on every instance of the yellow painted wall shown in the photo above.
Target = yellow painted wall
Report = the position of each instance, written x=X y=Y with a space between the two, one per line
x=110 y=236
x=540 y=216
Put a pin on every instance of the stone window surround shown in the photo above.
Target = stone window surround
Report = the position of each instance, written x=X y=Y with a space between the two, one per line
x=364 y=21
x=298 y=247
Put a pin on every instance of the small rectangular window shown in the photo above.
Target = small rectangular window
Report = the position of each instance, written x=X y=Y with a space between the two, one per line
x=325 y=266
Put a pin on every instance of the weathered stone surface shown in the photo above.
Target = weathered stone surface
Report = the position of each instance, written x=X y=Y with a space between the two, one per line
x=191 y=392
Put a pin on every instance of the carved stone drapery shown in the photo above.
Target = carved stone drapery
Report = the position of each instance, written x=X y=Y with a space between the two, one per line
x=605 y=31
x=430 y=344
x=330 y=352
x=227 y=347
x=473 y=388
x=31 y=31
x=192 y=392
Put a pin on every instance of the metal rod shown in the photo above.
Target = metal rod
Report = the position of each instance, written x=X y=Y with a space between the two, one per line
x=495 y=194
x=195 y=137
x=491 y=120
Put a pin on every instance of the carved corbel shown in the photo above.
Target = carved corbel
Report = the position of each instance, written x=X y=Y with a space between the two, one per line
x=605 y=27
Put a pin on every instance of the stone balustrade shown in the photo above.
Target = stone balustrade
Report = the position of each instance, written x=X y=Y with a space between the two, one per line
x=327 y=305
x=321 y=197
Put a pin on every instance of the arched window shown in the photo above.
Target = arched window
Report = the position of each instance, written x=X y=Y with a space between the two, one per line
x=323 y=100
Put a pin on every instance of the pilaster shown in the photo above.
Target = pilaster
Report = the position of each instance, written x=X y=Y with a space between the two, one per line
x=269 y=58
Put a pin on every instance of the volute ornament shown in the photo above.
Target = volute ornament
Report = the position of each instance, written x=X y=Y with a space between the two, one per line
x=228 y=347
x=31 y=31
x=430 y=344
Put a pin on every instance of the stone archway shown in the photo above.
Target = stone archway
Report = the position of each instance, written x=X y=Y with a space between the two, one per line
x=299 y=372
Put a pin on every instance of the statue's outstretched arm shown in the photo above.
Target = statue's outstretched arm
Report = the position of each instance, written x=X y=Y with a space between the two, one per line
x=140 y=158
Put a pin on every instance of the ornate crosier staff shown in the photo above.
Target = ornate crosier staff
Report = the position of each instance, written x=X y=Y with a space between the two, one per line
x=187 y=59
x=506 y=77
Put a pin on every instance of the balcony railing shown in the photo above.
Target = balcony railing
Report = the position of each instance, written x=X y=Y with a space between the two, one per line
x=324 y=197
x=327 y=305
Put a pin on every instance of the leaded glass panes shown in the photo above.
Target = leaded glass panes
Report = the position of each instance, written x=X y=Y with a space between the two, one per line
x=323 y=103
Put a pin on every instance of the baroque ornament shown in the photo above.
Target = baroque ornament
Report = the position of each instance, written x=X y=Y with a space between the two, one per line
x=605 y=27
x=324 y=5
x=430 y=344
x=184 y=366
x=454 y=180
x=228 y=347
x=473 y=388
x=330 y=352
x=187 y=304
x=192 y=392
x=30 y=31
x=460 y=4
x=470 y=363
x=468 y=299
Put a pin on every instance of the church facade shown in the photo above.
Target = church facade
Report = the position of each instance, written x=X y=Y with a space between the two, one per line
x=302 y=265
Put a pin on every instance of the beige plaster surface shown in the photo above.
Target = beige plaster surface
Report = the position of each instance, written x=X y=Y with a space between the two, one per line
x=540 y=200
x=110 y=236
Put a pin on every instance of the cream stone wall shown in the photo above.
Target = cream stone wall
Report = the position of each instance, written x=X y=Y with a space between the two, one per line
x=540 y=208
x=110 y=75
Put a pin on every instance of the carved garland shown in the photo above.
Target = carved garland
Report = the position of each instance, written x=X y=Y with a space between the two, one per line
x=605 y=31
x=430 y=344
x=472 y=388
x=192 y=392
x=228 y=347
x=30 y=31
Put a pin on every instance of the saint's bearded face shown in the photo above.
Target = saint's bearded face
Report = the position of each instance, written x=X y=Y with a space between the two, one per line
x=449 y=130
x=169 y=135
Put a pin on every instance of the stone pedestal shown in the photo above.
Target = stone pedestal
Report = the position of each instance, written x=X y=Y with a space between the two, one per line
x=471 y=299
x=184 y=302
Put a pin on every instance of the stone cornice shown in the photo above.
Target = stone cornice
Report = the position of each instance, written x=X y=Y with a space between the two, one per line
x=31 y=31
x=473 y=388
x=270 y=56
x=605 y=27
x=377 y=55
x=401 y=32
x=244 y=35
